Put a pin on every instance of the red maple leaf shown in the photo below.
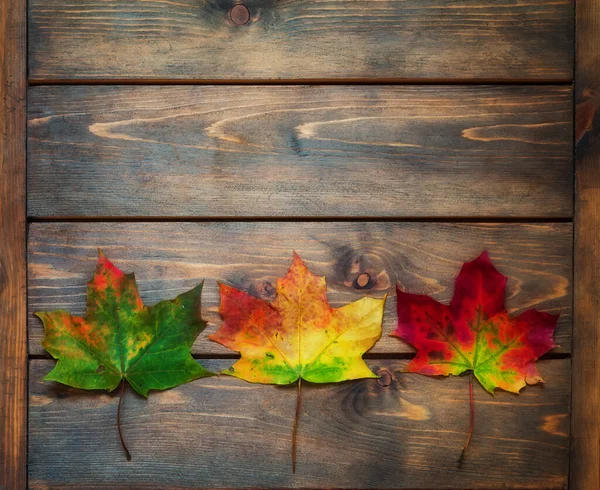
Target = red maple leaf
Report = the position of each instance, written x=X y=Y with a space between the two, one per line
x=475 y=333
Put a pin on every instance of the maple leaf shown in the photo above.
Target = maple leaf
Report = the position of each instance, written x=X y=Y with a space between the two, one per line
x=299 y=335
x=121 y=340
x=475 y=333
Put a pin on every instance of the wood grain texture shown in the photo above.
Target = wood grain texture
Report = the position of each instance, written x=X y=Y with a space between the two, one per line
x=13 y=308
x=317 y=39
x=224 y=432
x=585 y=445
x=169 y=258
x=300 y=151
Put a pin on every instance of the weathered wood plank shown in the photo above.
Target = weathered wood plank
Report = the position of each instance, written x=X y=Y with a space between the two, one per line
x=585 y=445
x=169 y=258
x=300 y=151
x=319 y=39
x=223 y=432
x=13 y=307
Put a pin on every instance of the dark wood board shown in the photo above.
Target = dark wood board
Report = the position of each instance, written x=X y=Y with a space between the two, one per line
x=487 y=151
x=224 y=432
x=301 y=40
x=169 y=258
x=585 y=445
x=13 y=294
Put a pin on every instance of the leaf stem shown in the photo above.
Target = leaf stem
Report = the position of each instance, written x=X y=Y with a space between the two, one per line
x=127 y=453
x=471 y=419
x=298 y=404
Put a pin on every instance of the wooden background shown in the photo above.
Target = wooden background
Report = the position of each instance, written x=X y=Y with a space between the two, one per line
x=205 y=139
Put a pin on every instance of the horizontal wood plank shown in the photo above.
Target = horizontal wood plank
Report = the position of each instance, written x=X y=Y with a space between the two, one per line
x=307 y=40
x=300 y=151
x=169 y=258
x=224 y=432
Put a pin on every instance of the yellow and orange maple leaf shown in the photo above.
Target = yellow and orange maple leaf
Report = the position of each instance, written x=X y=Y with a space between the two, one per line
x=298 y=335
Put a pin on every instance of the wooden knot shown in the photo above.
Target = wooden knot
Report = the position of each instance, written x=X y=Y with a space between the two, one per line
x=385 y=377
x=363 y=280
x=239 y=14
x=263 y=289
x=364 y=271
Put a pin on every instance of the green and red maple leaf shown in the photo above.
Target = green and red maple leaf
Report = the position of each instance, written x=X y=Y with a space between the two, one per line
x=475 y=333
x=120 y=340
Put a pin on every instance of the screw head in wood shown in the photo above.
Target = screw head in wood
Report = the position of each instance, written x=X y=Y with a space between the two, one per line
x=239 y=14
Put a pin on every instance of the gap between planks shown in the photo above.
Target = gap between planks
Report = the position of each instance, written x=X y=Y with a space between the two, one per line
x=34 y=82
x=288 y=219
x=373 y=357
